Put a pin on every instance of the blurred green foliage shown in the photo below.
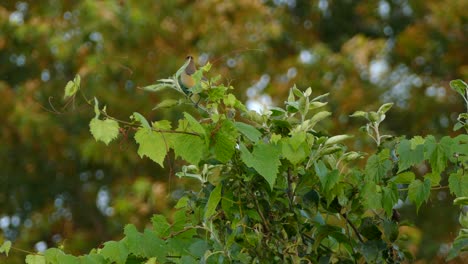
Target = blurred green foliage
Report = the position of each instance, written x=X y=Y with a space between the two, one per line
x=60 y=187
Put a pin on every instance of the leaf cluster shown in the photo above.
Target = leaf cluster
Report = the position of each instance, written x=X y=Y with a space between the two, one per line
x=274 y=187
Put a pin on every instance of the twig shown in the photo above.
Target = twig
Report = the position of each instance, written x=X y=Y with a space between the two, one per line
x=353 y=227
x=290 y=194
x=257 y=205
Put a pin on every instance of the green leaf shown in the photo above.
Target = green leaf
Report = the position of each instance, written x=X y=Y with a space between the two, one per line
x=328 y=179
x=320 y=97
x=459 y=245
x=213 y=201
x=190 y=148
x=72 y=87
x=225 y=141
x=360 y=114
x=230 y=100
x=408 y=156
x=372 y=249
x=146 y=245
x=457 y=126
x=293 y=152
x=371 y=196
x=390 y=230
x=404 y=178
x=318 y=117
x=166 y=104
x=194 y=125
x=315 y=105
x=152 y=144
x=437 y=153
x=104 y=130
x=458 y=183
x=249 y=131
x=337 y=139
x=459 y=86
x=162 y=125
x=158 y=86
x=369 y=229
x=97 y=112
x=66 y=259
x=418 y=192
x=384 y=108
x=92 y=258
x=199 y=248
x=434 y=177
x=389 y=198
x=417 y=140
x=323 y=231
x=295 y=147
x=5 y=248
x=461 y=201
x=52 y=255
x=141 y=119
x=160 y=225
x=264 y=159
x=463 y=219
x=115 y=252
x=35 y=259
x=378 y=165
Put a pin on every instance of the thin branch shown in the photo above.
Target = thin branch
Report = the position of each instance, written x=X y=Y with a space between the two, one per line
x=257 y=206
x=353 y=227
x=290 y=194
x=184 y=230
x=432 y=188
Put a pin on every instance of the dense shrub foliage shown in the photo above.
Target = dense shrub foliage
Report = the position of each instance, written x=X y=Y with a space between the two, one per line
x=275 y=187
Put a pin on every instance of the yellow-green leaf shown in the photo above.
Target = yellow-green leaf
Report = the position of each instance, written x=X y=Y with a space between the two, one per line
x=5 y=248
x=152 y=145
x=104 y=130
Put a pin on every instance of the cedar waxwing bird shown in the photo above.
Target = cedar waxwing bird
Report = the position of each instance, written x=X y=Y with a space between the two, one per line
x=186 y=79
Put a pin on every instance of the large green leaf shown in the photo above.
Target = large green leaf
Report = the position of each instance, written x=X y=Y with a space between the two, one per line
x=160 y=225
x=152 y=144
x=437 y=153
x=460 y=86
x=249 y=131
x=145 y=245
x=191 y=148
x=389 y=198
x=409 y=156
x=371 y=195
x=104 y=130
x=459 y=245
x=35 y=259
x=406 y=177
x=378 y=165
x=458 y=183
x=264 y=159
x=419 y=191
x=327 y=178
x=194 y=125
x=295 y=148
x=53 y=255
x=5 y=248
x=225 y=141
x=213 y=201
x=115 y=252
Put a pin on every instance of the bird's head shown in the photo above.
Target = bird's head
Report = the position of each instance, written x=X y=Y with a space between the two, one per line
x=190 y=69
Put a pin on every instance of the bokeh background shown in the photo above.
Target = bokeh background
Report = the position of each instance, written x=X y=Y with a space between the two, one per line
x=58 y=187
